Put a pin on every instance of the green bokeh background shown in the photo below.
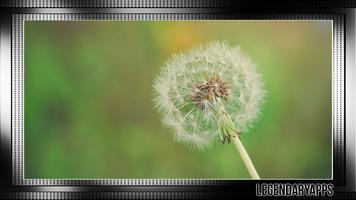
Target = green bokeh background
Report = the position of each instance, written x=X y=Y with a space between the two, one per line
x=89 y=110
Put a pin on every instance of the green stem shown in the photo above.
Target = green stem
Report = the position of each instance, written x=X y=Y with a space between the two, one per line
x=229 y=132
x=245 y=158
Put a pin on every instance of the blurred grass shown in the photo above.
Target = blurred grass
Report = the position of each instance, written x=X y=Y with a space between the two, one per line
x=89 y=113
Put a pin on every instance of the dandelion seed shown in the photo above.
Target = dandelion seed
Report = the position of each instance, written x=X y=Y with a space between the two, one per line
x=219 y=89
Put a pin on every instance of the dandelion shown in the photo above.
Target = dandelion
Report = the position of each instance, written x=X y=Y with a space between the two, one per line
x=210 y=92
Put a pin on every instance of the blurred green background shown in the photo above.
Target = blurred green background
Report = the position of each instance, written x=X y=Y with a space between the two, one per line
x=89 y=110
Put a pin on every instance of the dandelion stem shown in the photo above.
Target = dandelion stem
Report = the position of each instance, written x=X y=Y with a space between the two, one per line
x=245 y=158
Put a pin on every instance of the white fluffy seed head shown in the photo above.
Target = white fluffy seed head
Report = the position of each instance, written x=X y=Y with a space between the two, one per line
x=192 y=81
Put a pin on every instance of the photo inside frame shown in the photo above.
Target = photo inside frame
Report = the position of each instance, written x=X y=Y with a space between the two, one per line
x=90 y=113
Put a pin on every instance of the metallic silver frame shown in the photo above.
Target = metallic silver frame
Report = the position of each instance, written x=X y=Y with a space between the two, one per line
x=11 y=86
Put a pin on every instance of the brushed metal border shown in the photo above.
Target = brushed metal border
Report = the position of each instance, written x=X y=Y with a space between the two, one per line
x=169 y=4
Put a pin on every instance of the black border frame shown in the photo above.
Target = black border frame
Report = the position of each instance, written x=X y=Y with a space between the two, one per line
x=222 y=190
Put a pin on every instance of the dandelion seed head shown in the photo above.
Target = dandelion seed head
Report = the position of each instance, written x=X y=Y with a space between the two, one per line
x=192 y=83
